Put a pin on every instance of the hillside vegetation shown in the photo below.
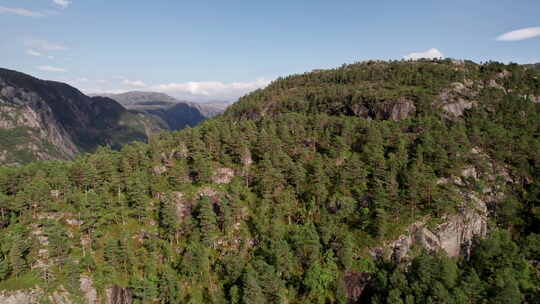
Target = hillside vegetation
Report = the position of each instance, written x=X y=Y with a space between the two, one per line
x=294 y=194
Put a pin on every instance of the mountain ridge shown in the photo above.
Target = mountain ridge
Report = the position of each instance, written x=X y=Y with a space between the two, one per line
x=175 y=113
x=57 y=121
x=375 y=182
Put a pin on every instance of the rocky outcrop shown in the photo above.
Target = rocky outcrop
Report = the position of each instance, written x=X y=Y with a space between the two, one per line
x=458 y=108
x=113 y=295
x=35 y=296
x=223 y=175
x=456 y=233
x=21 y=297
x=397 y=110
x=88 y=290
x=455 y=236
x=118 y=295
x=457 y=98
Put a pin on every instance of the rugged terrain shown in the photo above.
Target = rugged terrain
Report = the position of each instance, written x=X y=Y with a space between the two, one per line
x=375 y=182
x=46 y=120
x=177 y=114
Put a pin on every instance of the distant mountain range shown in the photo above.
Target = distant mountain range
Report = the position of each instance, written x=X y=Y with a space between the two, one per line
x=175 y=113
x=47 y=120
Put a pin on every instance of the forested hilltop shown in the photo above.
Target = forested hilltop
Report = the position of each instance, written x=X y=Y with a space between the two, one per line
x=375 y=182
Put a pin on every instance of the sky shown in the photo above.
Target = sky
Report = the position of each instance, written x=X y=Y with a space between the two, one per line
x=220 y=50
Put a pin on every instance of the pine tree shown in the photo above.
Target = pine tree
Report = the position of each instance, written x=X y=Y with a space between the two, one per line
x=252 y=291
x=208 y=221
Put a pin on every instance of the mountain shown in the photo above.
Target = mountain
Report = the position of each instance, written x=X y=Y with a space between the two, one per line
x=213 y=108
x=135 y=98
x=534 y=65
x=375 y=182
x=45 y=120
x=177 y=114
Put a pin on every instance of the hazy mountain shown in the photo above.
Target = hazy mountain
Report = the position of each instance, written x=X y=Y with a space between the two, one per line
x=50 y=120
x=135 y=98
x=151 y=100
x=177 y=114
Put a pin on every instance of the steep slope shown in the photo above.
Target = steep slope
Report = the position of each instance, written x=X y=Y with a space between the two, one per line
x=176 y=114
x=376 y=182
x=43 y=120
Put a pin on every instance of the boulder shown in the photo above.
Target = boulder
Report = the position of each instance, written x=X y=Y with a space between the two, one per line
x=402 y=109
x=223 y=175
x=458 y=108
x=87 y=287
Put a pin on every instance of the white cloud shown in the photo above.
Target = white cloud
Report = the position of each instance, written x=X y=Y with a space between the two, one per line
x=191 y=91
x=48 y=68
x=429 y=54
x=98 y=91
x=521 y=34
x=20 y=12
x=45 y=45
x=210 y=90
x=33 y=53
x=136 y=83
x=62 y=3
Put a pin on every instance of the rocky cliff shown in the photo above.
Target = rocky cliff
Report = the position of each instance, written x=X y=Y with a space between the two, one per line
x=45 y=120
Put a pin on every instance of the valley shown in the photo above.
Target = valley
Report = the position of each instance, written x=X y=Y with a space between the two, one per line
x=46 y=120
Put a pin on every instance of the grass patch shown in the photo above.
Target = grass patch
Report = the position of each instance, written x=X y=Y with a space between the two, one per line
x=26 y=281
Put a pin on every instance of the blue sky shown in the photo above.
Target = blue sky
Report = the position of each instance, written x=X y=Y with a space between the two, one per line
x=219 y=50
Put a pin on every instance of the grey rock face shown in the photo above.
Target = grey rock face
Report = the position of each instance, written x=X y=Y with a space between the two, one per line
x=223 y=175
x=458 y=107
x=457 y=232
x=454 y=236
x=457 y=98
x=20 y=298
x=394 y=110
x=46 y=120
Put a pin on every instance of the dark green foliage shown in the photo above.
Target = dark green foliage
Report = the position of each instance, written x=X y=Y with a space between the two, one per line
x=497 y=271
x=280 y=199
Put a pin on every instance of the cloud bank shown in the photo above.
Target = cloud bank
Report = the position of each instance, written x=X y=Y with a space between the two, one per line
x=20 y=12
x=521 y=34
x=429 y=54
x=196 y=91
x=210 y=90
x=48 y=68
